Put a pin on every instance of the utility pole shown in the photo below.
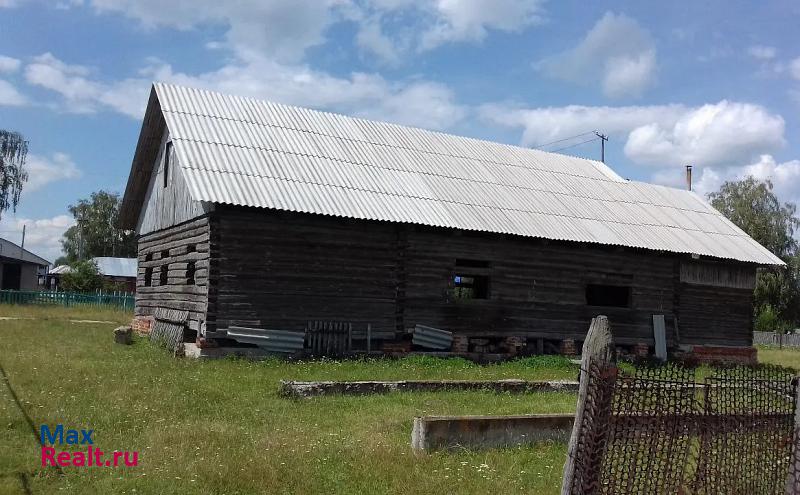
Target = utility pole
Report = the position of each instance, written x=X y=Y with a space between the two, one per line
x=603 y=139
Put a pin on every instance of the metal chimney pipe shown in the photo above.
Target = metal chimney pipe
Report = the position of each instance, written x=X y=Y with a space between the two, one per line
x=689 y=177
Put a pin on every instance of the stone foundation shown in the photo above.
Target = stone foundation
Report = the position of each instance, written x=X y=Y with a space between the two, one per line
x=460 y=344
x=513 y=345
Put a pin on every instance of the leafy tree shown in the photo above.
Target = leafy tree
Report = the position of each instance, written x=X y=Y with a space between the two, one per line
x=13 y=151
x=96 y=232
x=61 y=260
x=83 y=276
x=753 y=206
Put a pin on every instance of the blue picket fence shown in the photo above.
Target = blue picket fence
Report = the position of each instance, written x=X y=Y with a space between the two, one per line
x=122 y=300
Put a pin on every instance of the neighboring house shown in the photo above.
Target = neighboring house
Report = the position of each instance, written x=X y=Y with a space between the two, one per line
x=265 y=215
x=119 y=271
x=19 y=268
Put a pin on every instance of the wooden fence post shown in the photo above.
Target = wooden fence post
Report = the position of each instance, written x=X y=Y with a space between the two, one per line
x=598 y=349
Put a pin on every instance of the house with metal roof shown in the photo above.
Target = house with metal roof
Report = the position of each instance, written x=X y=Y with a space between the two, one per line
x=19 y=268
x=261 y=215
x=119 y=272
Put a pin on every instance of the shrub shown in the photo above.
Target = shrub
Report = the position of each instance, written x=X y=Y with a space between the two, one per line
x=83 y=276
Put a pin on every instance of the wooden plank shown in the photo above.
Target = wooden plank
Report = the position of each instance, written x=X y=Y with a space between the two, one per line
x=660 y=336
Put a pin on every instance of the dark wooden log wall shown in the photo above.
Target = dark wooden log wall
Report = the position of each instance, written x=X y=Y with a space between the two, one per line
x=715 y=315
x=177 y=293
x=273 y=269
x=281 y=269
x=536 y=288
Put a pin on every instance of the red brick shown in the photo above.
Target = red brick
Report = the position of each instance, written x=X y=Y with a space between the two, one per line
x=142 y=324
x=568 y=347
x=727 y=355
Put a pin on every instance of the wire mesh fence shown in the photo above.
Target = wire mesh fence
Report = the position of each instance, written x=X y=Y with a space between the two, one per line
x=670 y=429
x=675 y=429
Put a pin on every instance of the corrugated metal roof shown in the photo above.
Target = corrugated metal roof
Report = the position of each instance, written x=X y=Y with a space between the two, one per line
x=250 y=152
x=110 y=267
x=116 y=267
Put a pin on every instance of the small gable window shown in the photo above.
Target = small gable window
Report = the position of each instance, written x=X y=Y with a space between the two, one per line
x=167 y=156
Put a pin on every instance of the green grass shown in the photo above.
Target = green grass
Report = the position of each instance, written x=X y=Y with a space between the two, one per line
x=221 y=427
x=787 y=356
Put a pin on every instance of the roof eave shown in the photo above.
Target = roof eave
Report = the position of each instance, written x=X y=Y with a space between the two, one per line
x=143 y=160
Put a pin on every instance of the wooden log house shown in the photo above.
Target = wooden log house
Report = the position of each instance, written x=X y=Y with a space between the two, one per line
x=256 y=214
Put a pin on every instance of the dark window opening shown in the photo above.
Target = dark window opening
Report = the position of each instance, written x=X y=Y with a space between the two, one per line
x=467 y=287
x=472 y=263
x=191 y=248
x=167 y=155
x=190 y=273
x=148 y=276
x=165 y=254
x=148 y=257
x=162 y=279
x=616 y=296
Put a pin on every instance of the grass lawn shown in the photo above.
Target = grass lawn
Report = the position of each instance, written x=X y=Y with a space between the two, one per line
x=220 y=426
x=785 y=357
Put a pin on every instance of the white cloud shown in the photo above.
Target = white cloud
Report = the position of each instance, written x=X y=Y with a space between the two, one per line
x=762 y=52
x=81 y=94
x=708 y=135
x=9 y=64
x=42 y=236
x=43 y=170
x=9 y=95
x=470 y=20
x=617 y=52
x=658 y=135
x=794 y=68
x=282 y=29
x=785 y=177
x=546 y=124
x=414 y=102
x=373 y=41
x=389 y=30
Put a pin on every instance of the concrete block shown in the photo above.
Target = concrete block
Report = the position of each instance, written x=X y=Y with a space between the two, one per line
x=314 y=389
x=123 y=335
x=488 y=432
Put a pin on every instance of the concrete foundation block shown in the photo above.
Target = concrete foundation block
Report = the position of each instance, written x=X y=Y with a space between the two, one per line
x=123 y=335
x=488 y=432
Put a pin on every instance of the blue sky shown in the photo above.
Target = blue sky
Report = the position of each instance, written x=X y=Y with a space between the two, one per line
x=714 y=84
